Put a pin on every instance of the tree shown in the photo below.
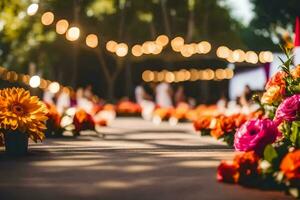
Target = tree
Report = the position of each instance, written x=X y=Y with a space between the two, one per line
x=129 y=21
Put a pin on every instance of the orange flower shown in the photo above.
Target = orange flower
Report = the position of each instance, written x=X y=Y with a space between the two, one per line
x=277 y=80
x=273 y=94
x=296 y=72
x=244 y=169
x=20 y=111
x=239 y=119
x=217 y=132
x=128 y=107
x=227 y=123
x=228 y=172
x=53 y=116
x=248 y=166
x=290 y=165
x=202 y=123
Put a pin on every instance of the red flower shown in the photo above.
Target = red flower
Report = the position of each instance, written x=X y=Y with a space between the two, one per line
x=83 y=121
x=228 y=172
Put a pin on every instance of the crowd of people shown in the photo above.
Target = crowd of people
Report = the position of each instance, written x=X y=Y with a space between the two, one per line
x=148 y=98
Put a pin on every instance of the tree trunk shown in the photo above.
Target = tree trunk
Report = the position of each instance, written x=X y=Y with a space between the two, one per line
x=190 y=26
x=165 y=17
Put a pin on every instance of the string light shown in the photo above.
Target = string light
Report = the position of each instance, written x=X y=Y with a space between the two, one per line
x=73 y=33
x=162 y=40
x=137 y=50
x=62 y=26
x=91 y=40
x=204 y=47
x=122 y=50
x=54 y=87
x=177 y=43
x=111 y=46
x=35 y=81
x=251 y=57
x=32 y=9
x=187 y=75
x=47 y=18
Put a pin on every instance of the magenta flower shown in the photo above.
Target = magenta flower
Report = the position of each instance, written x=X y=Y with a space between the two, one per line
x=287 y=110
x=255 y=135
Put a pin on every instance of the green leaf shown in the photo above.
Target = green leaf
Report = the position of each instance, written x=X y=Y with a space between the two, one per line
x=295 y=134
x=270 y=153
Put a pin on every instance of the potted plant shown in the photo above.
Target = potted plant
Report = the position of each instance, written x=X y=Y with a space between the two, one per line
x=22 y=116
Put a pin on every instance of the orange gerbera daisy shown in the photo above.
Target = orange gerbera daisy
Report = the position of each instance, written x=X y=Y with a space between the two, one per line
x=20 y=111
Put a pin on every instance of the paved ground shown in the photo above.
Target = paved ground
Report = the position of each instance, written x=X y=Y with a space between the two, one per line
x=135 y=161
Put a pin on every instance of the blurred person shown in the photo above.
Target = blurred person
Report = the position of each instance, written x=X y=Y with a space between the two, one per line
x=63 y=101
x=179 y=95
x=145 y=101
x=82 y=101
x=88 y=92
x=141 y=94
x=48 y=97
x=164 y=95
x=222 y=104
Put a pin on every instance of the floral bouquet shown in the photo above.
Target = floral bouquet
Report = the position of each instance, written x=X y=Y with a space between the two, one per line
x=21 y=117
x=83 y=121
x=270 y=146
x=128 y=108
x=223 y=127
x=53 y=123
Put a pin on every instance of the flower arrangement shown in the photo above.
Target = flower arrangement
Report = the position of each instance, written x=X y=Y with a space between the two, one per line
x=223 y=127
x=83 y=121
x=53 y=123
x=21 y=116
x=270 y=146
x=128 y=108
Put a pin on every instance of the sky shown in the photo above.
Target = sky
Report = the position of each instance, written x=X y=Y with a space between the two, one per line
x=240 y=9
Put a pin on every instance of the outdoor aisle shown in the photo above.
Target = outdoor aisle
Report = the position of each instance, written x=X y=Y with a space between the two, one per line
x=135 y=160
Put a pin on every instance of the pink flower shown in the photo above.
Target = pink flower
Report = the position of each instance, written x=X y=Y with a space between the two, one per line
x=255 y=135
x=287 y=110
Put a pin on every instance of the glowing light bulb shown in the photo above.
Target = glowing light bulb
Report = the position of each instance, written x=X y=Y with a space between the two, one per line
x=35 y=81
x=91 y=40
x=54 y=87
x=122 y=50
x=162 y=40
x=137 y=50
x=177 y=43
x=62 y=26
x=32 y=9
x=73 y=33
x=47 y=18
x=111 y=46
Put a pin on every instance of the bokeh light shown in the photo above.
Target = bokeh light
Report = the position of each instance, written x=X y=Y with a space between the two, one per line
x=62 y=26
x=162 y=40
x=47 y=18
x=111 y=46
x=91 y=40
x=35 y=81
x=137 y=50
x=54 y=87
x=122 y=50
x=73 y=33
x=177 y=43
x=32 y=9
